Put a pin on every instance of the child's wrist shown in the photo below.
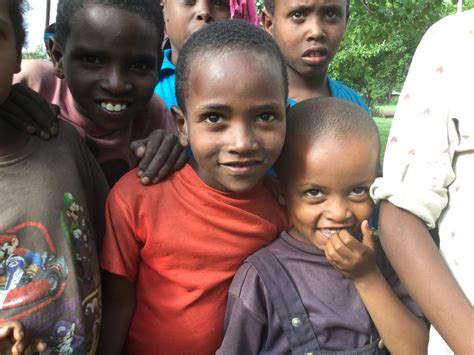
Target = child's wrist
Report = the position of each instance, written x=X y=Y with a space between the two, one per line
x=369 y=279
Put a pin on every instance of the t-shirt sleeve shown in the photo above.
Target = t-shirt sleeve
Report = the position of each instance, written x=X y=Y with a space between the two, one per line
x=245 y=322
x=418 y=159
x=120 y=253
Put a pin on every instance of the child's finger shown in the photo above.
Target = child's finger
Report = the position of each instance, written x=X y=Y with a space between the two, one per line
x=333 y=255
x=168 y=165
x=36 y=346
x=138 y=147
x=367 y=235
x=160 y=155
x=339 y=245
x=35 y=106
x=18 y=332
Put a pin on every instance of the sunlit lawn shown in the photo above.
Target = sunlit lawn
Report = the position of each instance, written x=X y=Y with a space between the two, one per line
x=383 y=125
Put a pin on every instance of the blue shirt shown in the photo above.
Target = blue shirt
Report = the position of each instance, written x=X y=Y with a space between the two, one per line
x=166 y=86
x=341 y=91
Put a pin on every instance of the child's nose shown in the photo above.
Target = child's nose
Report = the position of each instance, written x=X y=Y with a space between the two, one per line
x=116 y=81
x=316 y=28
x=242 y=139
x=203 y=11
x=337 y=210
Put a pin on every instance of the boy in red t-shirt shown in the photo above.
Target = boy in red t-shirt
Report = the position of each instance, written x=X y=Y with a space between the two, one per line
x=171 y=250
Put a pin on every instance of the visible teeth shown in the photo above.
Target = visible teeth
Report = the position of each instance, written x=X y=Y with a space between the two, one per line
x=113 y=107
x=329 y=232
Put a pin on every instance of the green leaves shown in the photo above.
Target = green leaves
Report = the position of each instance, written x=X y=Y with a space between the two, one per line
x=380 y=40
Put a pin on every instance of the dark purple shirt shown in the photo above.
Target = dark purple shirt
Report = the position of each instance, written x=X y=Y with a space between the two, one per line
x=336 y=312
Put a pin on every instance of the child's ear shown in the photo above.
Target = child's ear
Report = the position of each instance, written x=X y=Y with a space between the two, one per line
x=181 y=125
x=57 y=58
x=267 y=21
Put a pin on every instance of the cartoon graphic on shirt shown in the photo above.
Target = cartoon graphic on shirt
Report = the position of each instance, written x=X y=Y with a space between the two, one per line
x=65 y=338
x=78 y=232
x=28 y=276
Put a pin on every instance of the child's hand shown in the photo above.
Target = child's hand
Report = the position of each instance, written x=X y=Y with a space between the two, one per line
x=161 y=153
x=29 y=112
x=350 y=257
x=13 y=340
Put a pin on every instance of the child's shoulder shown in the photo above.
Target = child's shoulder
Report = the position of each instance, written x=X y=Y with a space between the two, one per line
x=35 y=73
x=132 y=190
x=343 y=91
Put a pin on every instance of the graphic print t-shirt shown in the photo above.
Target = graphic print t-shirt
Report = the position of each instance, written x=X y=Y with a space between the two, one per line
x=52 y=196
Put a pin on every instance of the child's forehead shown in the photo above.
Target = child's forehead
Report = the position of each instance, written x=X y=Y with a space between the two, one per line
x=238 y=70
x=293 y=3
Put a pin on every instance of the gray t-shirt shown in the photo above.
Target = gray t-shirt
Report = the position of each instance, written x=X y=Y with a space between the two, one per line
x=52 y=195
x=335 y=310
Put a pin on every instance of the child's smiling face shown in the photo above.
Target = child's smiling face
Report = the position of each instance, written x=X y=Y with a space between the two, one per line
x=183 y=17
x=9 y=62
x=110 y=63
x=326 y=186
x=235 y=118
x=308 y=32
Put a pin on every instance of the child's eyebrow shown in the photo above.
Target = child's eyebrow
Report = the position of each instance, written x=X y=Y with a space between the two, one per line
x=225 y=108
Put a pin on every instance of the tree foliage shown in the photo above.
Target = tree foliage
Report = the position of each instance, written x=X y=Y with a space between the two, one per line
x=380 y=40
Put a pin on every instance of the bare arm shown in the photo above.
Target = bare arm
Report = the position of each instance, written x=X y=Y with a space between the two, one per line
x=411 y=249
x=401 y=331
x=118 y=307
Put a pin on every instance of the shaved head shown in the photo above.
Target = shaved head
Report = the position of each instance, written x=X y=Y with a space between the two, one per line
x=326 y=117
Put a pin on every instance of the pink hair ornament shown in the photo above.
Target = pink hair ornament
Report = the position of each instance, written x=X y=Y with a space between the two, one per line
x=244 y=9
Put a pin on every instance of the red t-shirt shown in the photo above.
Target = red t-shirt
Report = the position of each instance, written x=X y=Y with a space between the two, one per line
x=181 y=242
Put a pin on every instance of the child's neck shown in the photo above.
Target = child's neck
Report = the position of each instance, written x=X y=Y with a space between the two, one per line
x=11 y=139
x=303 y=88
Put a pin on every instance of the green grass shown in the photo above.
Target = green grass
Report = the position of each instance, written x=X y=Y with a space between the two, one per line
x=383 y=124
x=389 y=107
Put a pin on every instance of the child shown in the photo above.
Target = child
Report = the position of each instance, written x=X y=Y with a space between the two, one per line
x=428 y=182
x=108 y=53
x=171 y=250
x=53 y=198
x=323 y=286
x=309 y=34
x=182 y=19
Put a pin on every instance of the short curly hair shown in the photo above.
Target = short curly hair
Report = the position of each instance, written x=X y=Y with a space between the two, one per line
x=149 y=10
x=16 y=9
x=270 y=6
x=224 y=37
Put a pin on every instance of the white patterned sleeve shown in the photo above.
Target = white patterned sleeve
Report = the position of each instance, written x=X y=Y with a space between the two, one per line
x=417 y=167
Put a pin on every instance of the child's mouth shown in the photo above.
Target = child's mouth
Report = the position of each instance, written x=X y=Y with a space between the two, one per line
x=315 y=56
x=241 y=168
x=327 y=233
x=113 y=107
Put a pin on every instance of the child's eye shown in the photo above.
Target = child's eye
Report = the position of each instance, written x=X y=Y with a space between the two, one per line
x=213 y=118
x=313 y=193
x=359 y=191
x=221 y=3
x=140 y=66
x=333 y=14
x=266 y=117
x=297 y=15
x=90 y=59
